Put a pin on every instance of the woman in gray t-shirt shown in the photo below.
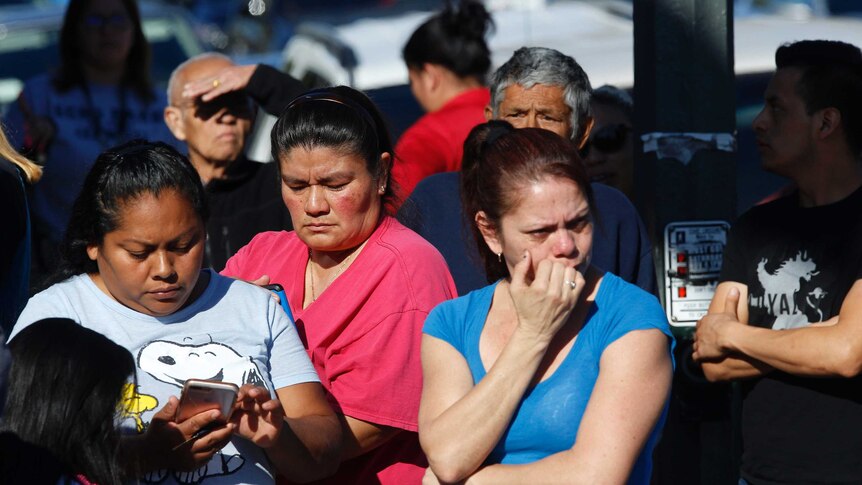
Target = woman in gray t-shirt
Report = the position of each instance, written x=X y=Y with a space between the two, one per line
x=132 y=271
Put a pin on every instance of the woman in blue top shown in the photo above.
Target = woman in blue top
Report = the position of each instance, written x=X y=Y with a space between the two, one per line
x=557 y=372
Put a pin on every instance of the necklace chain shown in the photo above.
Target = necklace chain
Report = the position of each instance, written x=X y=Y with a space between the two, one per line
x=341 y=267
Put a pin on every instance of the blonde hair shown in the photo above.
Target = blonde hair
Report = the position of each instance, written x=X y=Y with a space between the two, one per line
x=32 y=172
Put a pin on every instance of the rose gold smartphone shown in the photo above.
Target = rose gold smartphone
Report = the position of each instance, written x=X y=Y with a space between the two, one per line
x=200 y=395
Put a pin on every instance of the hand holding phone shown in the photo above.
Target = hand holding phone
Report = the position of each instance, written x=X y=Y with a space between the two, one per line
x=200 y=396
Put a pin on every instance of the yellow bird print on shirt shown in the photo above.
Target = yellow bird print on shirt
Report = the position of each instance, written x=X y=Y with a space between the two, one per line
x=133 y=405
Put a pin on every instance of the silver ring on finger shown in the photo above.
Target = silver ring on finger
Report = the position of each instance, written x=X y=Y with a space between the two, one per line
x=571 y=284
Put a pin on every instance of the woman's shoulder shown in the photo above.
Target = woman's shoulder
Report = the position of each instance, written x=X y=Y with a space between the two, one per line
x=235 y=285
x=224 y=288
x=265 y=252
x=66 y=299
x=417 y=257
x=71 y=285
x=452 y=319
x=466 y=304
x=628 y=306
x=612 y=286
x=404 y=241
x=628 y=299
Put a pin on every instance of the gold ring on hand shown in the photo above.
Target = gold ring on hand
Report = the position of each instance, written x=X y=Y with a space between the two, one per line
x=216 y=83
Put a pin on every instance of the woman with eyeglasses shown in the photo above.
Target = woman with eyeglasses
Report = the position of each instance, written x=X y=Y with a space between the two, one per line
x=609 y=152
x=100 y=95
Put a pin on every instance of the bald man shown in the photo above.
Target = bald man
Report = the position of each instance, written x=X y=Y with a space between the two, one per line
x=211 y=110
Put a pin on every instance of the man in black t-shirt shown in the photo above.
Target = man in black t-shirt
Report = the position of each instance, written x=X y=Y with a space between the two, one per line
x=787 y=315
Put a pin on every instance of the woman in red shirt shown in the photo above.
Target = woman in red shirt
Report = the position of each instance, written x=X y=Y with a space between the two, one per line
x=447 y=60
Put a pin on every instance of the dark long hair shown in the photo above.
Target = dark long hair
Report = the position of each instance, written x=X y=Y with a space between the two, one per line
x=119 y=175
x=71 y=72
x=454 y=39
x=341 y=118
x=65 y=390
x=498 y=160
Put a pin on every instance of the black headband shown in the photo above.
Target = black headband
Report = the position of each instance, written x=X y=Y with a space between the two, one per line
x=331 y=97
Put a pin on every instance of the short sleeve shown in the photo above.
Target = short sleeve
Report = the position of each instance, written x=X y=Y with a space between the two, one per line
x=378 y=377
x=440 y=324
x=289 y=361
x=459 y=323
x=641 y=311
x=47 y=304
x=234 y=265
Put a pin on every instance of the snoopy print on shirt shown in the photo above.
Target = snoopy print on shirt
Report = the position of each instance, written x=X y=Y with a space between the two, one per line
x=172 y=363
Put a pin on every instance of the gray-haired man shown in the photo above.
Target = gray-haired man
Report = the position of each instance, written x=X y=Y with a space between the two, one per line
x=541 y=88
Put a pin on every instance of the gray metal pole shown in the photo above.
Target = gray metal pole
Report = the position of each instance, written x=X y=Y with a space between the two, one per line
x=684 y=84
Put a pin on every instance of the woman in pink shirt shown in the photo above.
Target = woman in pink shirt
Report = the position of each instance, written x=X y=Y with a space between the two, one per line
x=358 y=283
